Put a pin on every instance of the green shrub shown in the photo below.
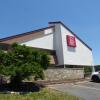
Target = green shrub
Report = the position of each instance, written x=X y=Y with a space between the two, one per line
x=21 y=62
x=87 y=69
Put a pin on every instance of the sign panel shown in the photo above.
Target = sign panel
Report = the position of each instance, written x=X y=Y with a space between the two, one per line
x=71 y=41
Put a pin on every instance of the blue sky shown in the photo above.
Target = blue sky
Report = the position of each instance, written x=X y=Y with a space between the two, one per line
x=81 y=16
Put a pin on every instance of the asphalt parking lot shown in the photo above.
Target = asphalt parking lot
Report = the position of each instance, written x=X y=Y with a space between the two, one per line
x=86 y=90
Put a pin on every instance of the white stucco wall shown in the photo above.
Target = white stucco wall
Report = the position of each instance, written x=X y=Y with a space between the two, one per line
x=80 y=55
x=44 y=41
x=58 y=44
x=48 y=31
x=56 y=40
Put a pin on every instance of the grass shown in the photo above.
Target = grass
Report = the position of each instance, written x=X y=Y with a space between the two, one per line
x=44 y=94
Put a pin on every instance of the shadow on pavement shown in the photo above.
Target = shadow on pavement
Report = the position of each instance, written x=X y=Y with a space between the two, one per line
x=94 y=81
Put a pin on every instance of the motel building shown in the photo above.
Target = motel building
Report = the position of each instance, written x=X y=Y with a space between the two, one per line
x=68 y=53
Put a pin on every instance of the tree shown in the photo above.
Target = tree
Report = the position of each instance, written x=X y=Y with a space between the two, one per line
x=21 y=62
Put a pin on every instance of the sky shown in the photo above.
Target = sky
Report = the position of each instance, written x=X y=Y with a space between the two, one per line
x=81 y=16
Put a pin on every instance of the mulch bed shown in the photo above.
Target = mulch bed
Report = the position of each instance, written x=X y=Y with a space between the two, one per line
x=24 y=87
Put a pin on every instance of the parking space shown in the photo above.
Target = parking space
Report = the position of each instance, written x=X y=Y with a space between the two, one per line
x=87 y=84
x=86 y=90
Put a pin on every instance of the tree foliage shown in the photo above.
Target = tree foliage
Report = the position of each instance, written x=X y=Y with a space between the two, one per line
x=20 y=62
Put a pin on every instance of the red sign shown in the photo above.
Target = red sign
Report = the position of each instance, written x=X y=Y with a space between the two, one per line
x=71 y=41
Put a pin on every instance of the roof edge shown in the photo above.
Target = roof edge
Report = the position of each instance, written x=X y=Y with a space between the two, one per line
x=59 y=22
x=26 y=33
x=38 y=30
